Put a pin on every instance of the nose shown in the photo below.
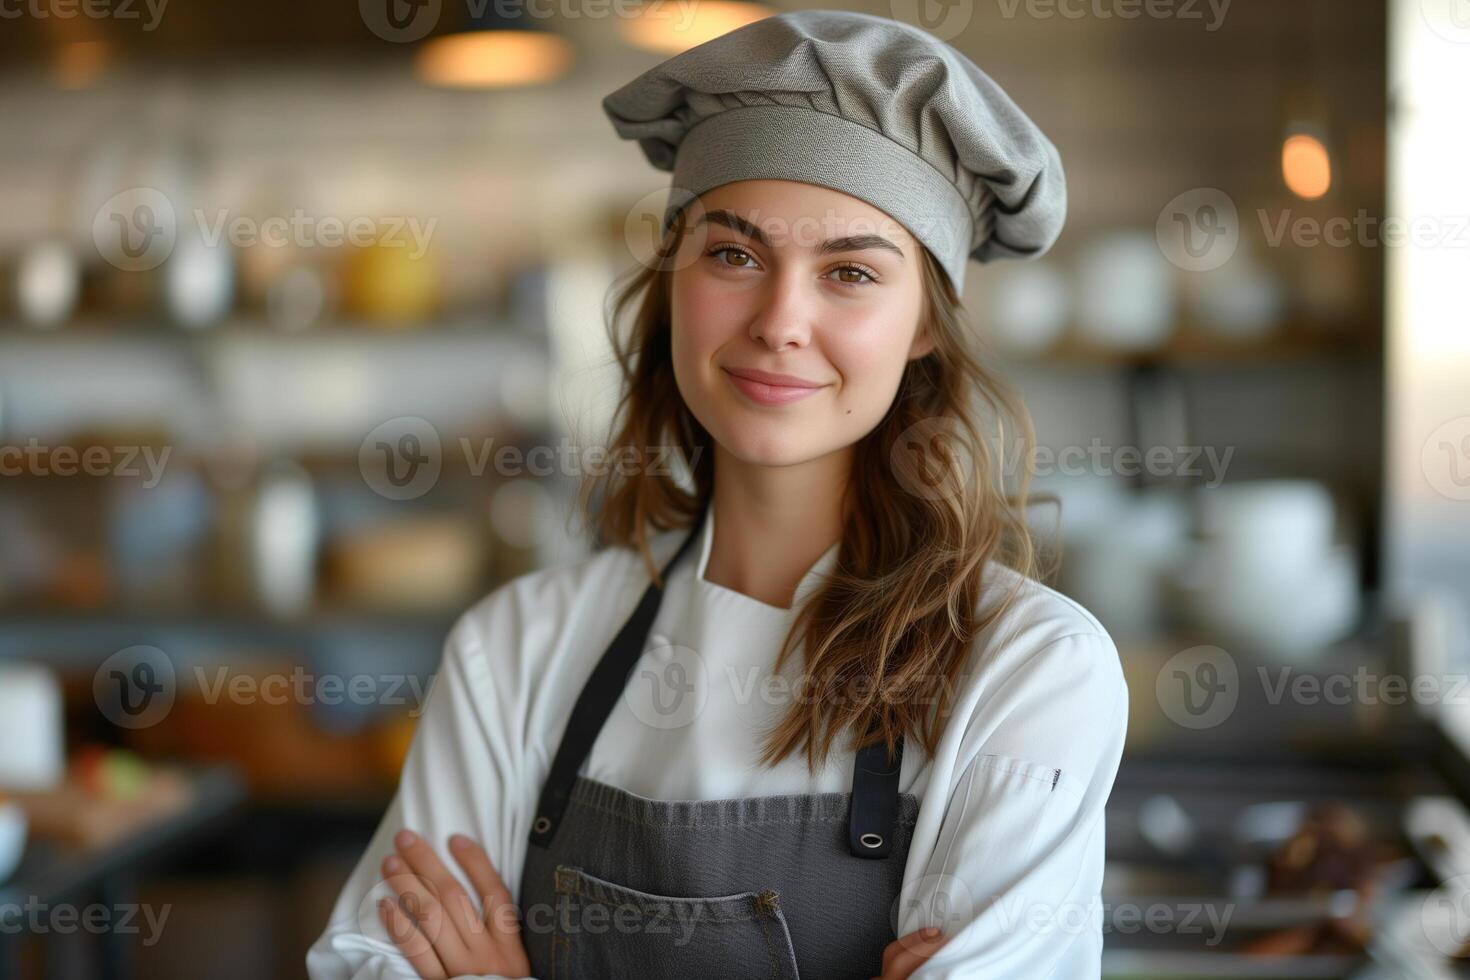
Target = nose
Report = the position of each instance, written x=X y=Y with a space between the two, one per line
x=785 y=315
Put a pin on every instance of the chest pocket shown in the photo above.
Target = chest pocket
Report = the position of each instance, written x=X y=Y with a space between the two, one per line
x=601 y=927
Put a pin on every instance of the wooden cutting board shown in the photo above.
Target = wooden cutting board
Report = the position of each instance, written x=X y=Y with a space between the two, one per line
x=73 y=815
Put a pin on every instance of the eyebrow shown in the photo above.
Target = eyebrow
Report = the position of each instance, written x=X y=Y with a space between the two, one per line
x=850 y=243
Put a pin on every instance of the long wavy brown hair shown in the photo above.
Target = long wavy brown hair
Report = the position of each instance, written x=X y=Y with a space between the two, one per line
x=891 y=629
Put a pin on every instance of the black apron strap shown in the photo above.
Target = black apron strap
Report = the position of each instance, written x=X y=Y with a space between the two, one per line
x=599 y=696
x=874 y=800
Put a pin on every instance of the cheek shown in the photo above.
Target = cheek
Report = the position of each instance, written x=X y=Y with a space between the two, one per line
x=702 y=319
x=871 y=356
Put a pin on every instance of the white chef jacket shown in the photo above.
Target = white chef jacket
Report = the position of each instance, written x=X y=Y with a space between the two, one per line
x=1007 y=852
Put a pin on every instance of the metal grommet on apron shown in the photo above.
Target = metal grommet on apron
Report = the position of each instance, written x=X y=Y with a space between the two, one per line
x=618 y=884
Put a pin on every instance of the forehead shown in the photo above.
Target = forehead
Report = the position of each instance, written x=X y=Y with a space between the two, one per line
x=804 y=215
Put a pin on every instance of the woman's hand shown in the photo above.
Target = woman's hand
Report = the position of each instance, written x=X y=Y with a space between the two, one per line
x=903 y=956
x=436 y=924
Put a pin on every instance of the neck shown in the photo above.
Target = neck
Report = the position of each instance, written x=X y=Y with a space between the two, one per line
x=772 y=523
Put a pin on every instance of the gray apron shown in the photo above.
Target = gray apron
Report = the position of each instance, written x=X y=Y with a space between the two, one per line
x=772 y=887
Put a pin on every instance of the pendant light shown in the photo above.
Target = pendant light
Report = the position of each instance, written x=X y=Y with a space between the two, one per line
x=496 y=50
x=668 y=28
x=1306 y=159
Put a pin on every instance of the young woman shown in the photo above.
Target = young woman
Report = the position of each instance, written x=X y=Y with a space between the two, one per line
x=811 y=700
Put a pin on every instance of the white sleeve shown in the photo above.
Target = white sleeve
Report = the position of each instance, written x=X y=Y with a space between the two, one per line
x=1015 y=875
x=460 y=775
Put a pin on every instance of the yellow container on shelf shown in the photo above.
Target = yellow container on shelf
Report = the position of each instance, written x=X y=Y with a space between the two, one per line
x=387 y=286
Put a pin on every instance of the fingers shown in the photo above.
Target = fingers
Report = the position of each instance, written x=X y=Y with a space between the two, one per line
x=445 y=897
x=494 y=896
x=419 y=898
x=902 y=956
x=414 y=944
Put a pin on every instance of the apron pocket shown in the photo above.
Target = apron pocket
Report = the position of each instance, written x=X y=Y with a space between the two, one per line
x=605 y=929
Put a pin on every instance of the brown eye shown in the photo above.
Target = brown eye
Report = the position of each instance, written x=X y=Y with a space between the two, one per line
x=732 y=250
x=862 y=275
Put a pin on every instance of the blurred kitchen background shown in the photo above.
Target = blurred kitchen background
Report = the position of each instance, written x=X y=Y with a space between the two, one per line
x=289 y=292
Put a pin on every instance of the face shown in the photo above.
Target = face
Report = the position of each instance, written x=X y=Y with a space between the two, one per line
x=795 y=311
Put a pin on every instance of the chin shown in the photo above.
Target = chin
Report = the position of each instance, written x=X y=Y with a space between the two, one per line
x=767 y=442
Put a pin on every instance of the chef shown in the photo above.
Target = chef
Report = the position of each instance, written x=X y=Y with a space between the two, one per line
x=808 y=712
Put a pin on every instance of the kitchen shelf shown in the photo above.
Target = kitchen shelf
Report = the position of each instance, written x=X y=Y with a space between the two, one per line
x=230 y=618
x=1191 y=345
x=243 y=327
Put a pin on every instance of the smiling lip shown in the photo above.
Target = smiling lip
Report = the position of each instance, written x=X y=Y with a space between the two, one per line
x=772 y=389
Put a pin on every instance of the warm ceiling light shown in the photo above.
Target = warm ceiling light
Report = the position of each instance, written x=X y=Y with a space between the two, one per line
x=1305 y=166
x=669 y=28
x=79 y=63
x=494 y=58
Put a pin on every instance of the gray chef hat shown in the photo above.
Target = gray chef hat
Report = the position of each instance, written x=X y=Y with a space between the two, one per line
x=865 y=105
